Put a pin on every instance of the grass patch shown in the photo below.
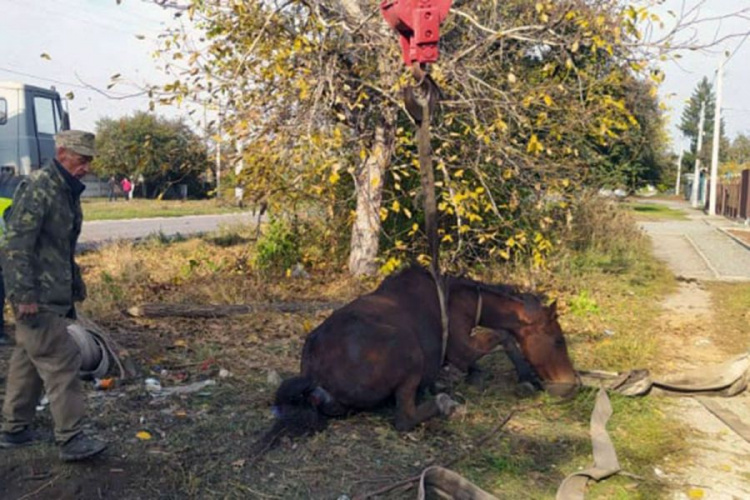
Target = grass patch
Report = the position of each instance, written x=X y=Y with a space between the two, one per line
x=100 y=209
x=655 y=212
x=731 y=315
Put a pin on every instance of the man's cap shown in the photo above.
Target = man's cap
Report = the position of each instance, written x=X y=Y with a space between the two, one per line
x=77 y=141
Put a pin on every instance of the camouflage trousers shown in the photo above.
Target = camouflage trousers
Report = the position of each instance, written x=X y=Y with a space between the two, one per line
x=46 y=357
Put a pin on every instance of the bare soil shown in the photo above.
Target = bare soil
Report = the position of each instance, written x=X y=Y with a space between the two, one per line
x=718 y=465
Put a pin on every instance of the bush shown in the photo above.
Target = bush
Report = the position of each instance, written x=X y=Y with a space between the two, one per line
x=600 y=226
x=278 y=248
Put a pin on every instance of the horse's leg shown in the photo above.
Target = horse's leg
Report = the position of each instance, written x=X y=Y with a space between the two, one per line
x=408 y=414
x=465 y=349
x=524 y=370
x=486 y=340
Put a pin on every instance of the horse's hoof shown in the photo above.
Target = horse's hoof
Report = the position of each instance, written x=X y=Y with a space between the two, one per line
x=525 y=389
x=446 y=405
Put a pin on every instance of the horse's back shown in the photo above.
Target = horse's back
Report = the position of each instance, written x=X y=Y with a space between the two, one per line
x=364 y=350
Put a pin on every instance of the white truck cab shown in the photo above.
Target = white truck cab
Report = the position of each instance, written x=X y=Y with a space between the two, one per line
x=29 y=119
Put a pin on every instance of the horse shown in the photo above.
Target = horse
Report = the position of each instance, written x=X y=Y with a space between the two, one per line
x=389 y=344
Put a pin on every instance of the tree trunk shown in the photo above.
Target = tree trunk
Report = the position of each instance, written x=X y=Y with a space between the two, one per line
x=368 y=181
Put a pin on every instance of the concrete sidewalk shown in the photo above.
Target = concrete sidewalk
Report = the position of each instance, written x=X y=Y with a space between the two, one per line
x=699 y=247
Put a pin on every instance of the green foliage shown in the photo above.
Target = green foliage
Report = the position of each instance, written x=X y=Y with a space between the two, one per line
x=164 y=152
x=703 y=93
x=583 y=304
x=278 y=249
x=737 y=155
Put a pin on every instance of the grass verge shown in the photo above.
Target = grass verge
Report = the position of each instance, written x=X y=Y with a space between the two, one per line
x=101 y=209
x=655 y=212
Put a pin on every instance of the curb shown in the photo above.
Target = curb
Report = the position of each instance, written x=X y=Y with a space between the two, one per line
x=735 y=238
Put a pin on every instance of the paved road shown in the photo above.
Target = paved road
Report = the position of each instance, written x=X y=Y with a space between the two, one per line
x=95 y=232
x=699 y=248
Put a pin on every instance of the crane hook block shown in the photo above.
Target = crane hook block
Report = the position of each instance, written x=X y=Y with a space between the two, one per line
x=417 y=23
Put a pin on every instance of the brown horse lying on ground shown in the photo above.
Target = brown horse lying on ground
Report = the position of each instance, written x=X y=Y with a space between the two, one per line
x=388 y=344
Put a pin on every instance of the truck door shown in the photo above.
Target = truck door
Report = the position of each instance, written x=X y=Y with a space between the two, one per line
x=47 y=122
x=9 y=125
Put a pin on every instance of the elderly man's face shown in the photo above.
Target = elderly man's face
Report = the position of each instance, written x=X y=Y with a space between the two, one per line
x=77 y=165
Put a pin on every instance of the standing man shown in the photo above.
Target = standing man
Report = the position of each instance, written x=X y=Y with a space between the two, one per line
x=42 y=282
x=111 y=188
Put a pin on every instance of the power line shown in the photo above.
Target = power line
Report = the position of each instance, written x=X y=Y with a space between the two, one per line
x=71 y=84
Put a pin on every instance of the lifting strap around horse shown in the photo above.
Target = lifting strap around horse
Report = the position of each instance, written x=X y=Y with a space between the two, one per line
x=424 y=94
x=442 y=292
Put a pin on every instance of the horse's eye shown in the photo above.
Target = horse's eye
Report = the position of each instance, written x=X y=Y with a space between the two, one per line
x=560 y=342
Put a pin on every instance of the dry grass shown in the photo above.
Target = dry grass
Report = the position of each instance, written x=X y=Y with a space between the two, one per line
x=200 y=446
x=362 y=453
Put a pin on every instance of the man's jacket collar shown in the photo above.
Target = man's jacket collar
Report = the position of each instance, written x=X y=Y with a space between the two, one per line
x=76 y=187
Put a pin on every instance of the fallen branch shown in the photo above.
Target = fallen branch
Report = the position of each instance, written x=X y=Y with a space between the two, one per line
x=38 y=490
x=412 y=481
x=162 y=310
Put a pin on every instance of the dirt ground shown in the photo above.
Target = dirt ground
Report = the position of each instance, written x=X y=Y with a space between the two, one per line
x=198 y=445
x=718 y=466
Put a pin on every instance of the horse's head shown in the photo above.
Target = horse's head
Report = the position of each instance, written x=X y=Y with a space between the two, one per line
x=542 y=342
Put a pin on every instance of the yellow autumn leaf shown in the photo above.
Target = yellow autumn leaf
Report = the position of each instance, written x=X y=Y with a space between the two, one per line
x=396 y=206
x=143 y=435
x=334 y=177
x=696 y=493
x=534 y=146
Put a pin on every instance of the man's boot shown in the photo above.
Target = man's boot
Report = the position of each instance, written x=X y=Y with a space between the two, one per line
x=16 y=439
x=81 y=447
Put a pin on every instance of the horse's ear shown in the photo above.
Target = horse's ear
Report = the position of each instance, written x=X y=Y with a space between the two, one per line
x=553 y=310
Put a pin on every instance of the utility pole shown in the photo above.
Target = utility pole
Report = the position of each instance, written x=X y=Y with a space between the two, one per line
x=717 y=139
x=697 y=171
x=218 y=158
x=679 y=170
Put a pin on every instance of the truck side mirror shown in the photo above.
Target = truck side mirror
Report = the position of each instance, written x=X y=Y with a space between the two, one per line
x=65 y=120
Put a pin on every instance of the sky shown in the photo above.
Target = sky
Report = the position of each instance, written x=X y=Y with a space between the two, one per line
x=88 y=41
x=683 y=74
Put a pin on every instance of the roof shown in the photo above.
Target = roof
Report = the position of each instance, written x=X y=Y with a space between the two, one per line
x=20 y=86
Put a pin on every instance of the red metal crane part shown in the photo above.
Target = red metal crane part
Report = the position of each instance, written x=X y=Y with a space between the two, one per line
x=418 y=25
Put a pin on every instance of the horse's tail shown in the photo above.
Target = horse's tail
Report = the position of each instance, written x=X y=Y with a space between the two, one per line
x=295 y=411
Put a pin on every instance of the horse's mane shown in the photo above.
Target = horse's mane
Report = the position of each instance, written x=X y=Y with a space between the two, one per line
x=416 y=271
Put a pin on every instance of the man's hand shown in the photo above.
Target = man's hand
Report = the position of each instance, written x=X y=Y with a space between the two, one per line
x=26 y=310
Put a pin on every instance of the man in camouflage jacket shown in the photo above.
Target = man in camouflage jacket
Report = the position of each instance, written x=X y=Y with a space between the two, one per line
x=42 y=282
